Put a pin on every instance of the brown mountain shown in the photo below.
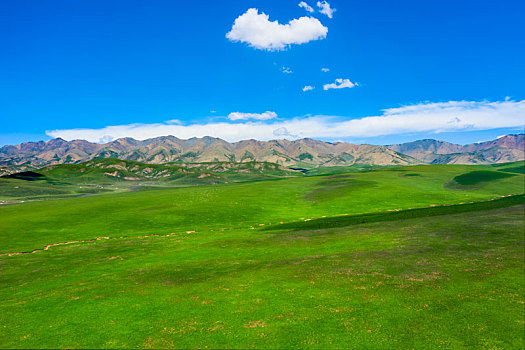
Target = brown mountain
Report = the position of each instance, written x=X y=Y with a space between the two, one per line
x=166 y=149
x=508 y=148
x=300 y=153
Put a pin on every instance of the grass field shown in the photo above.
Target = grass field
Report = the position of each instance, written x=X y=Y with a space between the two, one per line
x=412 y=257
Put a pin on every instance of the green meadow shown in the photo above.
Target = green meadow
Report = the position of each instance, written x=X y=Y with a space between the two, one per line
x=428 y=256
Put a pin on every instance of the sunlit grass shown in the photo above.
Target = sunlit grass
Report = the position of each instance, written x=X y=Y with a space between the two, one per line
x=338 y=261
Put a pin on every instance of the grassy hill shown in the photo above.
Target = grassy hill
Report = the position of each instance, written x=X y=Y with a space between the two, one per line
x=114 y=175
x=423 y=256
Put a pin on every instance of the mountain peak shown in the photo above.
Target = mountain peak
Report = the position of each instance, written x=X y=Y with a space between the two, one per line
x=305 y=152
x=429 y=150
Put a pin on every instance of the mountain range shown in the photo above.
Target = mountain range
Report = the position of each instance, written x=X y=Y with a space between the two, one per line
x=504 y=149
x=304 y=153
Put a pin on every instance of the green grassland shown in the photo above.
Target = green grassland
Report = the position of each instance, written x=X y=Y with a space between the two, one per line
x=241 y=205
x=428 y=256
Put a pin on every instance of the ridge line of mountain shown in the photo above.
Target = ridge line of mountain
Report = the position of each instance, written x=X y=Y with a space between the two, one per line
x=305 y=152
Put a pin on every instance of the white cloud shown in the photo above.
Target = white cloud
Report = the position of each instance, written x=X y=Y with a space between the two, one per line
x=257 y=116
x=306 y=6
x=106 y=139
x=308 y=88
x=284 y=132
x=423 y=118
x=340 y=84
x=256 y=30
x=286 y=70
x=325 y=69
x=325 y=8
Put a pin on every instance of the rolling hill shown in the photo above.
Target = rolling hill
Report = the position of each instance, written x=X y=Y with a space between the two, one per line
x=115 y=175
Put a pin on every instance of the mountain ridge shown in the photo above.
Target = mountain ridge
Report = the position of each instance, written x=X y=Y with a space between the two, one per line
x=506 y=148
x=167 y=149
x=307 y=152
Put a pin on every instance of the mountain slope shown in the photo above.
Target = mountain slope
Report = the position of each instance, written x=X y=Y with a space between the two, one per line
x=306 y=153
x=508 y=148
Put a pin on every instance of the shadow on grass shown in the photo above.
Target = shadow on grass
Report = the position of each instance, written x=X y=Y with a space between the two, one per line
x=347 y=220
x=336 y=186
x=517 y=170
x=25 y=175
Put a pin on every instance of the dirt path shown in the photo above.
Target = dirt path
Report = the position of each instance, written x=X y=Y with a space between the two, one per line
x=88 y=241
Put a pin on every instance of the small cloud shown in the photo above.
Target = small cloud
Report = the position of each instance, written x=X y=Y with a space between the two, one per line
x=213 y=111
x=173 y=121
x=325 y=69
x=286 y=70
x=340 y=84
x=257 y=116
x=306 y=6
x=259 y=32
x=105 y=139
x=282 y=131
x=325 y=8
x=308 y=88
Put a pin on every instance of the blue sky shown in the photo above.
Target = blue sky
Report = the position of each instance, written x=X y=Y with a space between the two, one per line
x=104 y=69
